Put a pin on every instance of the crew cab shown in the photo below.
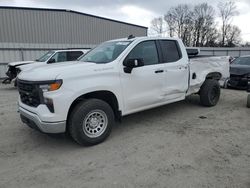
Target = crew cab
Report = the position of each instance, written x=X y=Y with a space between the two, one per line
x=115 y=79
x=53 y=56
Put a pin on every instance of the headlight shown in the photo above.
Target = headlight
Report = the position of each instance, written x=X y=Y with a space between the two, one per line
x=18 y=70
x=51 y=85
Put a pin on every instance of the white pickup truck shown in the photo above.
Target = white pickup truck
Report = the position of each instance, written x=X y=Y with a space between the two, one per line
x=116 y=78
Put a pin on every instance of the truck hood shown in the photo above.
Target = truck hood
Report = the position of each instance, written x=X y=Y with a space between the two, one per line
x=18 y=63
x=52 y=71
x=239 y=69
x=32 y=65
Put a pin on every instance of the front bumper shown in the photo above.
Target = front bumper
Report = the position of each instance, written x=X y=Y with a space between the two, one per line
x=238 y=82
x=248 y=85
x=33 y=121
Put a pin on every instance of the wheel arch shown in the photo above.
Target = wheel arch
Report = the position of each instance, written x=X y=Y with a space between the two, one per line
x=104 y=95
x=214 y=75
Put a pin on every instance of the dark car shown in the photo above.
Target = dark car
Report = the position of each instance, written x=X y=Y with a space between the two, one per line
x=239 y=72
x=248 y=90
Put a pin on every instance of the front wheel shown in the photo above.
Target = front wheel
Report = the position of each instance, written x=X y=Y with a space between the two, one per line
x=210 y=93
x=91 y=122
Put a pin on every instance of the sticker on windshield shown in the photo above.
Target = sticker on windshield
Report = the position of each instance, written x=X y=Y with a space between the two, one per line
x=122 y=43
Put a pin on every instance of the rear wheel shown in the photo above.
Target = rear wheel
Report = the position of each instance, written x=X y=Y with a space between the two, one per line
x=91 y=122
x=210 y=93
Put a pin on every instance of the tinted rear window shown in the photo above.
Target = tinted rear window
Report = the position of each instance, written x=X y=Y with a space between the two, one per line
x=171 y=51
x=73 y=56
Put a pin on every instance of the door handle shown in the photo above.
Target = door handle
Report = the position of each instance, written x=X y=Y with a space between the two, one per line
x=183 y=67
x=159 y=71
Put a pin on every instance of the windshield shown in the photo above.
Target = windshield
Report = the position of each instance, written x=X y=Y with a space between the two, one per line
x=242 y=61
x=45 y=57
x=105 y=52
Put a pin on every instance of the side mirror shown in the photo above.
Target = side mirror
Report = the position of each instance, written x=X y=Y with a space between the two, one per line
x=132 y=63
x=52 y=60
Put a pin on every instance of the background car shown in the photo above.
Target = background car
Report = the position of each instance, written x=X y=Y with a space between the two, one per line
x=239 y=72
x=53 y=56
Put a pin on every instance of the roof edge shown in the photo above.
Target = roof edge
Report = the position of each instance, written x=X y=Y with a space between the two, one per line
x=72 y=11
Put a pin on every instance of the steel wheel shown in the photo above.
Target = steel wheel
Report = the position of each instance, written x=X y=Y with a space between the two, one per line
x=95 y=123
x=214 y=96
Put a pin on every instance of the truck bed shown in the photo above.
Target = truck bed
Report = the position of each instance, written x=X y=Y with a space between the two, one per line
x=201 y=66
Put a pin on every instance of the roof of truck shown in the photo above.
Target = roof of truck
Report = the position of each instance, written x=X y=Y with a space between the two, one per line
x=145 y=38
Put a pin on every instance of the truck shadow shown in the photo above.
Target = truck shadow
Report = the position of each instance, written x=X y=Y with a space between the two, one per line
x=159 y=116
x=138 y=120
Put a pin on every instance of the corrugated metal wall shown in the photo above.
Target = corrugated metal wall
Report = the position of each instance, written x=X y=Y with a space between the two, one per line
x=41 y=26
x=234 y=52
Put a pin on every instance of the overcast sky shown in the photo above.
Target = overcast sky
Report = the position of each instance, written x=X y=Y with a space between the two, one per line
x=133 y=11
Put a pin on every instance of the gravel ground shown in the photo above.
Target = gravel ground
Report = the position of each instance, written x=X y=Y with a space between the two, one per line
x=178 y=145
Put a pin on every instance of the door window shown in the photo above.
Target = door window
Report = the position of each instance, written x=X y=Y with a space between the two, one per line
x=171 y=51
x=59 y=57
x=73 y=56
x=147 y=51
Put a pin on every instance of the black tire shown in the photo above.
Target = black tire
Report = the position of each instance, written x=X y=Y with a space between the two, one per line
x=248 y=101
x=210 y=93
x=84 y=133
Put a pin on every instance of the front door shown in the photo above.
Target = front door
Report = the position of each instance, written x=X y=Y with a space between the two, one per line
x=143 y=88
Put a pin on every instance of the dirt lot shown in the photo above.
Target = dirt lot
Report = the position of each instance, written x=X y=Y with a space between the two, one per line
x=179 y=145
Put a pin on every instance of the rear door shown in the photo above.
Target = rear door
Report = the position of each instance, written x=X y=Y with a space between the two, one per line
x=176 y=70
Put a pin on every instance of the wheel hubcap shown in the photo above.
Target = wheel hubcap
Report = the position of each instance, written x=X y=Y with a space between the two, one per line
x=95 y=123
x=214 y=95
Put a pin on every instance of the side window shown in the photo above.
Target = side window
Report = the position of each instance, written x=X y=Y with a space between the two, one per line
x=145 y=50
x=59 y=57
x=72 y=56
x=171 y=51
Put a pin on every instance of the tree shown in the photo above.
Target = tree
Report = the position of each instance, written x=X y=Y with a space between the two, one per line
x=212 y=38
x=170 y=20
x=203 y=23
x=247 y=44
x=179 y=21
x=233 y=36
x=196 y=25
x=157 y=25
x=227 y=10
